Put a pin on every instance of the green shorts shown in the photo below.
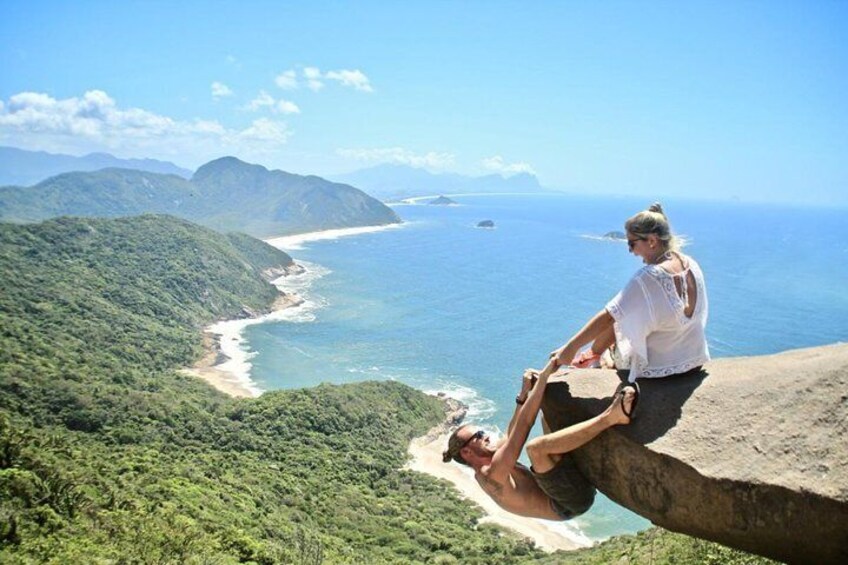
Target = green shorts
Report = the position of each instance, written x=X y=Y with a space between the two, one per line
x=570 y=493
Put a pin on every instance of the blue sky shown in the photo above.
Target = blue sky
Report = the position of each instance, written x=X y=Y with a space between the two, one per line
x=708 y=100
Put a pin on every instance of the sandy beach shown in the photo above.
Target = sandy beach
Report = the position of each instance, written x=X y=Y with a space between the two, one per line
x=426 y=457
x=224 y=364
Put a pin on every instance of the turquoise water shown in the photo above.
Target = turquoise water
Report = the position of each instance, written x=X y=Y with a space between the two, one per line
x=442 y=305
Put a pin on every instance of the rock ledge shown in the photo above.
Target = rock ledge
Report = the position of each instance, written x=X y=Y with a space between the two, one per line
x=751 y=453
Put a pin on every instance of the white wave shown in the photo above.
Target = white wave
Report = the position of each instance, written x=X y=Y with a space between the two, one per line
x=603 y=238
x=231 y=332
x=303 y=280
x=569 y=530
x=480 y=408
x=295 y=242
x=417 y=200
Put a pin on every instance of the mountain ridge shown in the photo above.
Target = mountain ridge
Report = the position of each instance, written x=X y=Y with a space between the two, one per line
x=393 y=182
x=21 y=167
x=226 y=194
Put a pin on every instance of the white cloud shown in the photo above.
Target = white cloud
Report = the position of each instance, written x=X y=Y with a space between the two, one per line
x=313 y=78
x=264 y=129
x=498 y=165
x=220 y=90
x=354 y=78
x=262 y=100
x=399 y=155
x=286 y=107
x=287 y=80
x=95 y=122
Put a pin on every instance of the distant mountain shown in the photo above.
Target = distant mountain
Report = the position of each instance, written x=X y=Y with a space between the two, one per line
x=24 y=168
x=394 y=182
x=250 y=198
x=107 y=193
x=225 y=194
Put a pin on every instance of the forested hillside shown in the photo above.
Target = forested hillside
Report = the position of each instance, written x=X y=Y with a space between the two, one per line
x=108 y=454
x=225 y=194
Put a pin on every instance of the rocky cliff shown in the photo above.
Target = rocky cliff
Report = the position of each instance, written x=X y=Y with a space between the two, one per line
x=751 y=453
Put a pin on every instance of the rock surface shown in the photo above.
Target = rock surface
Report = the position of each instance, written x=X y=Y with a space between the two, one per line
x=751 y=453
x=441 y=201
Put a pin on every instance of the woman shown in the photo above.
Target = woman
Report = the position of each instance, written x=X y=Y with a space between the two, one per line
x=657 y=321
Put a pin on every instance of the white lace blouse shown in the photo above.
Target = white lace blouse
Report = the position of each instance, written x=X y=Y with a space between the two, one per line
x=653 y=336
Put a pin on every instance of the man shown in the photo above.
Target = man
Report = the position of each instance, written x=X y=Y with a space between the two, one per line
x=553 y=488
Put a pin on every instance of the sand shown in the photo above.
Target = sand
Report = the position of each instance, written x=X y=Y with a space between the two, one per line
x=426 y=454
x=224 y=364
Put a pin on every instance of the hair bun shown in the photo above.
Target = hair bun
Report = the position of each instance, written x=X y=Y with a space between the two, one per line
x=446 y=457
x=656 y=207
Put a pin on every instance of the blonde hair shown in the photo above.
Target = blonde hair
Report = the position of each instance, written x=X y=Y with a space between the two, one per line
x=654 y=221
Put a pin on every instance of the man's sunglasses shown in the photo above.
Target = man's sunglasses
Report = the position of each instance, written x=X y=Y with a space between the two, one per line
x=479 y=434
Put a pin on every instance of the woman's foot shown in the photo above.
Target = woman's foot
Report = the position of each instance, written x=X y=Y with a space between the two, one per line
x=587 y=360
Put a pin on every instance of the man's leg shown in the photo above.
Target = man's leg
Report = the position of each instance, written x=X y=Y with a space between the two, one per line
x=544 y=450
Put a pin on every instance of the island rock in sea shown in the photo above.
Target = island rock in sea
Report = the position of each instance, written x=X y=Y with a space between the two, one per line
x=441 y=201
x=616 y=235
x=750 y=453
x=486 y=224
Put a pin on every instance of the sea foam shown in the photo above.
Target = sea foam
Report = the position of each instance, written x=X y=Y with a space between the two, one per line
x=231 y=332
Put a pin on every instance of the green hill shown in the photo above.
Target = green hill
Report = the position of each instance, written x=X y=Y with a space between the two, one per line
x=108 y=454
x=237 y=195
x=225 y=194
x=105 y=193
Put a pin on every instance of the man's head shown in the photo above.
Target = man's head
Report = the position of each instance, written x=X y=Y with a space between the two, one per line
x=468 y=445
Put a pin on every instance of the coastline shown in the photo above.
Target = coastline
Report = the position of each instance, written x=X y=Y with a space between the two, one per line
x=224 y=364
x=426 y=457
x=295 y=242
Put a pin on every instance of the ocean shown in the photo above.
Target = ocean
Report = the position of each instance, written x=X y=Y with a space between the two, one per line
x=442 y=305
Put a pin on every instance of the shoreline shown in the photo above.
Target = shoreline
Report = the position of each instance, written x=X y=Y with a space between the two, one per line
x=426 y=457
x=296 y=241
x=222 y=364
x=225 y=366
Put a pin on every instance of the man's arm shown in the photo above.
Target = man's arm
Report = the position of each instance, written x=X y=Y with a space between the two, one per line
x=503 y=462
x=527 y=382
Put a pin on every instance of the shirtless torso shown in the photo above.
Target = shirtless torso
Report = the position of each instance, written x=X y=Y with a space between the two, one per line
x=519 y=494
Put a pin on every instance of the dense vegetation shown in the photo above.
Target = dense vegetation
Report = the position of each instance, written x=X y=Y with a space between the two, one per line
x=225 y=194
x=108 y=455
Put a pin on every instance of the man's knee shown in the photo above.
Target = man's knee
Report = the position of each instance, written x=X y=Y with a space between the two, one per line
x=539 y=457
